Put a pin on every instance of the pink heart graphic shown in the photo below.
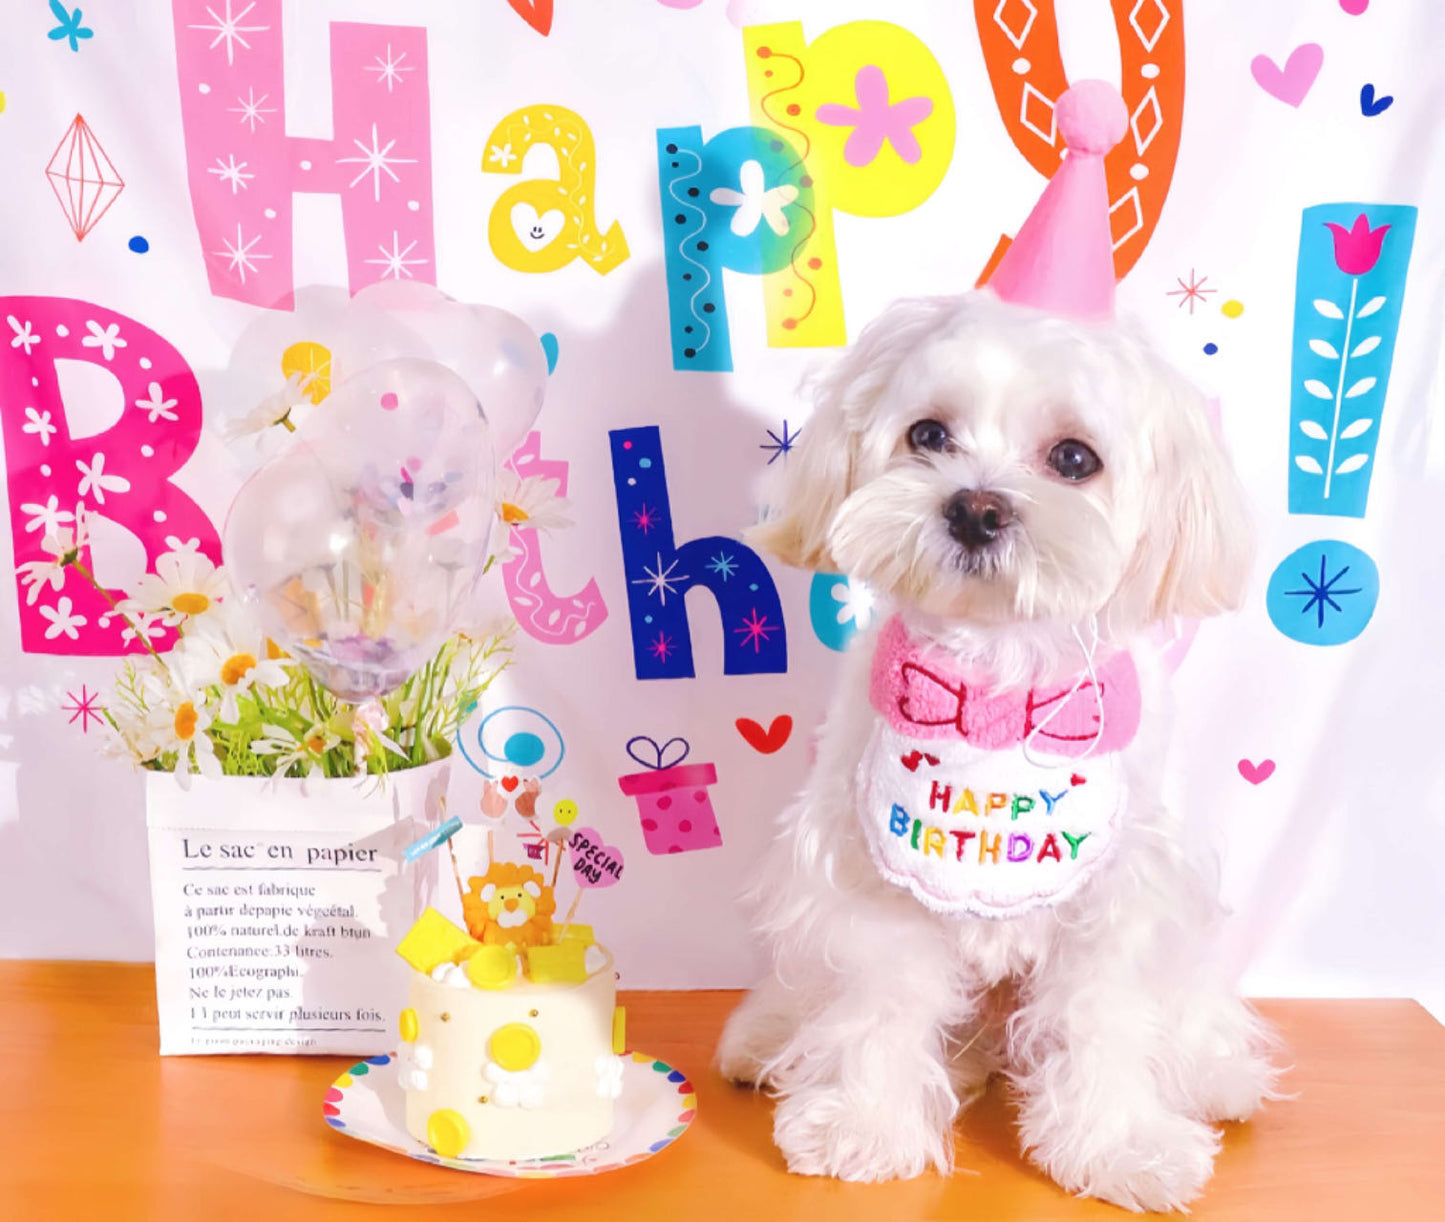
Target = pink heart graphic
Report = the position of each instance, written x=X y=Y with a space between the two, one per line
x=1256 y=774
x=1290 y=83
x=595 y=863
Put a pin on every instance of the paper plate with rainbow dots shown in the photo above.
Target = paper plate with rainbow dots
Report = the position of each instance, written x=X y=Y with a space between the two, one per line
x=655 y=1108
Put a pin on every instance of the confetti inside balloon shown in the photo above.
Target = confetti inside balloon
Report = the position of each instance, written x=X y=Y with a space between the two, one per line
x=359 y=545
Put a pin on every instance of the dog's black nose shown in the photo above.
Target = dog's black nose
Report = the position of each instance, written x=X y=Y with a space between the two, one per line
x=976 y=519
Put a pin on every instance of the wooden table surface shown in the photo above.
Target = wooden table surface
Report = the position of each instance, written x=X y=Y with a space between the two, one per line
x=95 y=1125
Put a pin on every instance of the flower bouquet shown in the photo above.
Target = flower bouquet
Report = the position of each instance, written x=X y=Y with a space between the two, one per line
x=305 y=700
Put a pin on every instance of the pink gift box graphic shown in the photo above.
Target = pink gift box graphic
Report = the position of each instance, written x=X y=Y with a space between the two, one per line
x=672 y=798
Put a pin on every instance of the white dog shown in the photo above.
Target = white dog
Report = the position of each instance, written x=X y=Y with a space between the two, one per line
x=1029 y=495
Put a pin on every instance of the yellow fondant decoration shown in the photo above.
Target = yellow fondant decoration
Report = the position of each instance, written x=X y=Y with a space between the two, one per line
x=343 y=1082
x=689 y=1101
x=408 y=1025
x=492 y=967
x=434 y=940
x=579 y=933
x=313 y=363
x=564 y=963
x=448 y=1132
x=641 y=1058
x=619 y=1030
x=565 y=812
x=515 y=1047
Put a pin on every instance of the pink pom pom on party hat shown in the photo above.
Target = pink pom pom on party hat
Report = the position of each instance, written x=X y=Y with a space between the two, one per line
x=1062 y=260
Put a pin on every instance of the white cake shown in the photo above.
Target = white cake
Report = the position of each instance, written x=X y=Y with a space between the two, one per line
x=508 y=1052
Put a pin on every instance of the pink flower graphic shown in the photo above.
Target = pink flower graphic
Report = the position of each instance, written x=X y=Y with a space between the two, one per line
x=1357 y=249
x=877 y=120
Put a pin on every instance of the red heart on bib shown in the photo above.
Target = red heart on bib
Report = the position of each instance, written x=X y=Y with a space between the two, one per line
x=1076 y=779
x=765 y=742
x=509 y=783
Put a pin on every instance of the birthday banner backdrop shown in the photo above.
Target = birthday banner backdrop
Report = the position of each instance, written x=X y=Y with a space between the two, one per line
x=695 y=203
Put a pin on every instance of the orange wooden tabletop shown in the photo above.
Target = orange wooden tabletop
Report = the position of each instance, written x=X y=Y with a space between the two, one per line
x=95 y=1125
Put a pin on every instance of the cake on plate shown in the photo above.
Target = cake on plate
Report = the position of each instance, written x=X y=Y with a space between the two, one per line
x=511 y=1037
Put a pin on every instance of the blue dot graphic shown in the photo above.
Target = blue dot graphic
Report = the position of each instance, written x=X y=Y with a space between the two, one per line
x=139 y=244
x=1324 y=593
x=1210 y=349
x=523 y=749
x=644 y=463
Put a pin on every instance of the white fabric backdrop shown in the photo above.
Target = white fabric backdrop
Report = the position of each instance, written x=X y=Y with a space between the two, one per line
x=1331 y=864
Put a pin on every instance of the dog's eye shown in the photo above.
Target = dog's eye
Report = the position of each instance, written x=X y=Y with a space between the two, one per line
x=1074 y=461
x=929 y=435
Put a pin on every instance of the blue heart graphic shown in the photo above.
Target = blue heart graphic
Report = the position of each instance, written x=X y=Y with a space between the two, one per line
x=1371 y=105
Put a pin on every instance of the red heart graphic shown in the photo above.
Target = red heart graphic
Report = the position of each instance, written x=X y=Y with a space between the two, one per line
x=1254 y=773
x=1076 y=779
x=536 y=13
x=765 y=742
x=911 y=760
x=509 y=783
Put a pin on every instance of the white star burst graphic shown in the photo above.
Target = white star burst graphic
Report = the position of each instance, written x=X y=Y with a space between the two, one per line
x=394 y=262
x=389 y=70
x=241 y=255
x=376 y=161
x=230 y=29
x=661 y=580
x=252 y=109
x=233 y=173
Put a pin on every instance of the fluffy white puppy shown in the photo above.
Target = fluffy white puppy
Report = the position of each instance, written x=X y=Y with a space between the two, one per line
x=1030 y=496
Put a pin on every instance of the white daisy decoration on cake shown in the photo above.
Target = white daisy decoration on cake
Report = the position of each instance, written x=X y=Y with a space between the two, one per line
x=412 y=1064
x=609 y=1076
x=517 y=1088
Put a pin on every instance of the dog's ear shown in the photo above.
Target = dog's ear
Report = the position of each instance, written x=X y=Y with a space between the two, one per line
x=806 y=494
x=831 y=459
x=1195 y=554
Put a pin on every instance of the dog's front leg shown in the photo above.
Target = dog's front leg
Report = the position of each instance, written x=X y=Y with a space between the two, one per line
x=1091 y=1057
x=863 y=1086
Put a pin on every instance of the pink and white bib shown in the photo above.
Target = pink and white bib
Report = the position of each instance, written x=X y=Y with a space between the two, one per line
x=958 y=812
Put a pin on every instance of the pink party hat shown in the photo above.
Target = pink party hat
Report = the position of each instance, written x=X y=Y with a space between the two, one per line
x=1062 y=260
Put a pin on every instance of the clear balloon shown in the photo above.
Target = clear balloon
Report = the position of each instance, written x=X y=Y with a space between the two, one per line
x=492 y=351
x=360 y=545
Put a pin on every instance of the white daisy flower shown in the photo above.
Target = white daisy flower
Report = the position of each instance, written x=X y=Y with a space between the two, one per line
x=185 y=584
x=64 y=546
x=272 y=410
x=531 y=502
x=177 y=719
x=229 y=651
x=288 y=749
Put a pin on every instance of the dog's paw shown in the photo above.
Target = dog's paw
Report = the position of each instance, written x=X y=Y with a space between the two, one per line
x=756 y=1034
x=1159 y=1163
x=738 y=1058
x=823 y=1132
x=1232 y=1088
